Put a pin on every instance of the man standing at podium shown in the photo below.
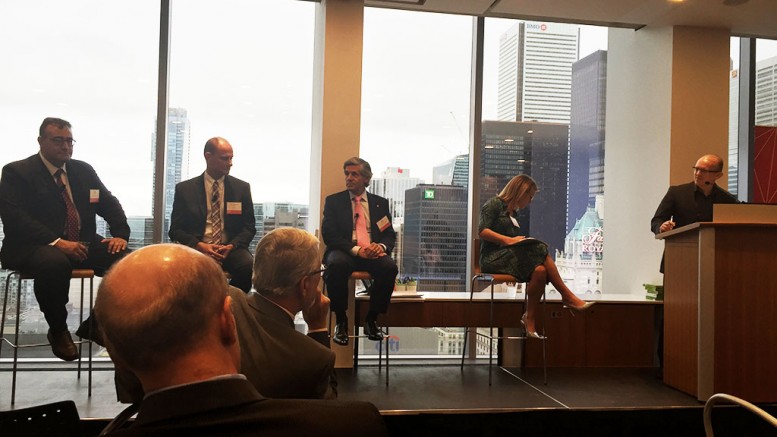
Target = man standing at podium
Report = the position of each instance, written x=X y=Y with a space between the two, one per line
x=692 y=202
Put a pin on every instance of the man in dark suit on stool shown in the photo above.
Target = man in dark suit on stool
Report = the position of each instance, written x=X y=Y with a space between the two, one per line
x=214 y=214
x=167 y=317
x=48 y=204
x=359 y=236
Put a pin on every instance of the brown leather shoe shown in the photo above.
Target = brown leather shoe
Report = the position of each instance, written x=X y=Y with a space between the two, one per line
x=62 y=345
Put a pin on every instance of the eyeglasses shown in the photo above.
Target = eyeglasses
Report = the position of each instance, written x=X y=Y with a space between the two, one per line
x=63 y=140
x=704 y=170
x=318 y=272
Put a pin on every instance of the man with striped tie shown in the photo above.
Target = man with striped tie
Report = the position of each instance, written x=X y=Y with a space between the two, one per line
x=214 y=213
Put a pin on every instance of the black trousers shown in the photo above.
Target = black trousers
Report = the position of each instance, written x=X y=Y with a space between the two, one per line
x=51 y=269
x=340 y=265
x=239 y=264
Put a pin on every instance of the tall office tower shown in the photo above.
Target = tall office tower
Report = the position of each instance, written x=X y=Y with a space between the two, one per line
x=733 y=131
x=586 y=134
x=2 y=234
x=766 y=92
x=176 y=159
x=392 y=185
x=455 y=171
x=435 y=237
x=536 y=149
x=535 y=72
x=259 y=218
x=141 y=231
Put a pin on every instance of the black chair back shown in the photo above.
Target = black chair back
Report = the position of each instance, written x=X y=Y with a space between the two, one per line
x=56 y=419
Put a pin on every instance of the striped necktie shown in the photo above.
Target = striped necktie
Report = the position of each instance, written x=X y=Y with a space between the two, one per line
x=215 y=214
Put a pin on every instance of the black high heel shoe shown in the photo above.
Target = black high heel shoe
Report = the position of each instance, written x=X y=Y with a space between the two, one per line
x=530 y=334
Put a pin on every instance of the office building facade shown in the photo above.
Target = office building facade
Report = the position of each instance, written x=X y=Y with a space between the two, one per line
x=434 y=244
x=392 y=185
x=535 y=72
x=540 y=151
x=177 y=159
x=586 y=134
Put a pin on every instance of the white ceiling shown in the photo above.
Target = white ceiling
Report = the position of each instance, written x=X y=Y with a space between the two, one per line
x=753 y=18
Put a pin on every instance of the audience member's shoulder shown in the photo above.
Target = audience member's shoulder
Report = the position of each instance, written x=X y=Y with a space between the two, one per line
x=332 y=417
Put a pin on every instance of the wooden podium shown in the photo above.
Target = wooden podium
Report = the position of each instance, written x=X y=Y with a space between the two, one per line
x=720 y=310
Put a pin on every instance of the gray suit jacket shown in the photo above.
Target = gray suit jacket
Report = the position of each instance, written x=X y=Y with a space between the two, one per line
x=280 y=361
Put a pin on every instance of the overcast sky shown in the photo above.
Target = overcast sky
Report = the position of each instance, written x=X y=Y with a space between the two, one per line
x=242 y=73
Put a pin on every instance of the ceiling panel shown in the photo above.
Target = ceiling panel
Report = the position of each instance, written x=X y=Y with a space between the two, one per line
x=756 y=18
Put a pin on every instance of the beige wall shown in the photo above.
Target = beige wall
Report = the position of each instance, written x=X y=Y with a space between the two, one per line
x=336 y=98
x=700 y=91
x=667 y=104
x=336 y=112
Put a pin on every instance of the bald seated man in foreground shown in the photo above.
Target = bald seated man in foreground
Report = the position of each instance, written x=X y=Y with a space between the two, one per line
x=166 y=315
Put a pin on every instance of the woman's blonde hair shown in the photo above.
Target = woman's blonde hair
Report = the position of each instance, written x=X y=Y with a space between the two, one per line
x=517 y=187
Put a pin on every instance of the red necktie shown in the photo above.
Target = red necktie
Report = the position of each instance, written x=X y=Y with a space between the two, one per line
x=71 y=221
x=360 y=224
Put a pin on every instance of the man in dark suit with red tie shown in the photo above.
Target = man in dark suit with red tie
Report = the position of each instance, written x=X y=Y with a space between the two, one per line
x=214 y=214
x=359 y=236
x=48 y=204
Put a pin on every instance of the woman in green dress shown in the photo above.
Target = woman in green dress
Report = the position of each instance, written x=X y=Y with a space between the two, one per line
x=504 y=250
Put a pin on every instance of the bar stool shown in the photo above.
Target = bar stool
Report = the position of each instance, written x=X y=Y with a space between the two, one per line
x=365 y=276
x=81 y=274
x=500 y=278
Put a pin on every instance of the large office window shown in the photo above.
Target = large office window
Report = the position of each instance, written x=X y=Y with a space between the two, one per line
x=94 y=64
x=544 y=95
x=414 y=133
x=243 y=70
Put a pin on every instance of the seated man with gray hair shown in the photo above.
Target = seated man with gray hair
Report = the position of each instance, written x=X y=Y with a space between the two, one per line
x=279 y=360
x=166 y=315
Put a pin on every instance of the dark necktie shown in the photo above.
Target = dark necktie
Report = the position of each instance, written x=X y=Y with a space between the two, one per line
x=215 y=214
x=71 y=221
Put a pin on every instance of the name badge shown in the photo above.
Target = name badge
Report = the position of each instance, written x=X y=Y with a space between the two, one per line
x=94 y=196
x=234 y=208
x=515 y=222
x=383 y=223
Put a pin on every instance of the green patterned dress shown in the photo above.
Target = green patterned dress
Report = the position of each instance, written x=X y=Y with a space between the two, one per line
x=518 y=259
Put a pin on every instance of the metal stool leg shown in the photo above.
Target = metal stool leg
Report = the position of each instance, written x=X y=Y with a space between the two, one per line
x=16 y=335
x=466 y=328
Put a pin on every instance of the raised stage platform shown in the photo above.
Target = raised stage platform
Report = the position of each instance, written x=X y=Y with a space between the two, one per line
x=444 y=400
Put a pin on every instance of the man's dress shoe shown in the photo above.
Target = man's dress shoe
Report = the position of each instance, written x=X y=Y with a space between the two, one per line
x=341 y=333
x=62 y=345
x=372 y=331
x=94 y=334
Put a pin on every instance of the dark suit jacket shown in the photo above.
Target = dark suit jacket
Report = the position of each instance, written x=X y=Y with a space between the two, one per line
x=679 y=202
x=337 y=225
x=190 y=210
x=34 y=213
x=233 y=407
x=280 y=361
